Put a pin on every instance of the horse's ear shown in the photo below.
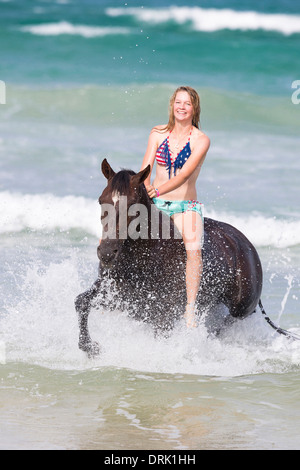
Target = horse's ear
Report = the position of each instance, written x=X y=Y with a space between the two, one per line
x=140 y=177
x=107 y=169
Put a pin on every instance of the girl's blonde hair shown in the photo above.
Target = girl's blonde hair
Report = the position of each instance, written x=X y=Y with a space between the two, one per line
x=195 y=103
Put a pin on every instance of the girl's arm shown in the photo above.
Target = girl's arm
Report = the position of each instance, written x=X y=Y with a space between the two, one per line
x=149 y=156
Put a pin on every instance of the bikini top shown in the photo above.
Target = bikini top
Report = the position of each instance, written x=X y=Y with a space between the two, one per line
x=163 y=155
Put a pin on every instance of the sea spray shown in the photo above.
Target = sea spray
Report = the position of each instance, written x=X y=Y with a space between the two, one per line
x=289 y=279
x=41 y=328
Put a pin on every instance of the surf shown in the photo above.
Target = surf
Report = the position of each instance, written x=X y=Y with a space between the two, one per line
x=64 y=27
x=40 y=328
x=212 y=19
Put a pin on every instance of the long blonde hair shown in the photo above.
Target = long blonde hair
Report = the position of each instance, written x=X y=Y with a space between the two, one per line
x=195 y=103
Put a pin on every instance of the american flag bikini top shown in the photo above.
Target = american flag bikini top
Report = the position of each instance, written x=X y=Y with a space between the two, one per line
x=163 y=155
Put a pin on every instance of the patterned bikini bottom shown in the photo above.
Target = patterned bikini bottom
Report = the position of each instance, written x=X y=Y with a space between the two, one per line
x=177 y=207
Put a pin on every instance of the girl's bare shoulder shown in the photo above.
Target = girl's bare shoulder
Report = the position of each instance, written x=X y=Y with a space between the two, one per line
x=200 y=138
x=197 y=133
x=160 y=129
x=158 y=132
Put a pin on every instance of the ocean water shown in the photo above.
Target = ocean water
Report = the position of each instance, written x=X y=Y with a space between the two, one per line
x=87 y=80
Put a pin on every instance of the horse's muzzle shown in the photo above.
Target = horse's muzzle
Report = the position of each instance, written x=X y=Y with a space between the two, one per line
x=108 y=254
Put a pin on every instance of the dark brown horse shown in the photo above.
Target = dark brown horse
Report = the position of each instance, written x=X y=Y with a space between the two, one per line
x=144 y=274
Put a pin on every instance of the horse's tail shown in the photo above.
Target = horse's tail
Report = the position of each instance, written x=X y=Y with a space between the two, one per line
x=286 y=333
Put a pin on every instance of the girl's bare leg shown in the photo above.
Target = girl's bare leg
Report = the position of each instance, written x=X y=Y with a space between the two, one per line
x=193 y=280
x=190 y=226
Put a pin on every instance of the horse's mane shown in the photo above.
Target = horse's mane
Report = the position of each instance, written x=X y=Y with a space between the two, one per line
x=121 y=181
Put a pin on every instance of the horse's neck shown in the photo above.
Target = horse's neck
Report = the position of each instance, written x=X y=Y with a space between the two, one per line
x=154 y=253
x=162 y=245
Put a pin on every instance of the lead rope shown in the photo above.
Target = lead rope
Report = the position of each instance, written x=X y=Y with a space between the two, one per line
x=286 y=333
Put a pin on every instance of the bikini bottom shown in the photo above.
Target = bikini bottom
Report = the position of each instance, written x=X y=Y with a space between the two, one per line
x=177 y=207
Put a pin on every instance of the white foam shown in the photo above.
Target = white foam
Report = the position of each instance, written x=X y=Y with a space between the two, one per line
x=212 y=19
x=41 y=328
x=46 y=212
x=262 y=230
x=63 y=27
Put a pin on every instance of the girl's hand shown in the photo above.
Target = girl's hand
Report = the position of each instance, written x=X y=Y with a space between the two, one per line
x=151 y=191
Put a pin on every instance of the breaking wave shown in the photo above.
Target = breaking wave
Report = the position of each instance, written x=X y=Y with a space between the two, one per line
x=64 y=27
x=211 y=19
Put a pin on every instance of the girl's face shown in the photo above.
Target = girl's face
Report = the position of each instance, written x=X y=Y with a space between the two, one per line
x=183 y=108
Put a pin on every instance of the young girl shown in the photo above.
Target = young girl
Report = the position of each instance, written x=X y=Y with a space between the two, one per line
x=179 y=149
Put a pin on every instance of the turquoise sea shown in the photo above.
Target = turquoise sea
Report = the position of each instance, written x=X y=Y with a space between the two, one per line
x=83 y=80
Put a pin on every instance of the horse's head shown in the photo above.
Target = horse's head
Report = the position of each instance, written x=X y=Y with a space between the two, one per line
x=124 y=196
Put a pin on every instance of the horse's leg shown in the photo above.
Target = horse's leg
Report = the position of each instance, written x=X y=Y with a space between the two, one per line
x=83 y=304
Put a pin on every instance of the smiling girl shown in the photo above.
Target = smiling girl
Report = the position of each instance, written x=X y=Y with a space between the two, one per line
x=179 y=149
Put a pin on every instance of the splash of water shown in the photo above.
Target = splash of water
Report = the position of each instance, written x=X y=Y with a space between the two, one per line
x=41 y=328
x=289 y=278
